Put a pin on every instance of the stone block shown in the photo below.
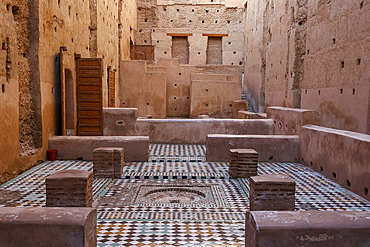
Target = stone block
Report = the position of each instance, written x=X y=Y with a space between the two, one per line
x=271 y=148
x=307 y=228
x=289 y=121
x=69 y=188
x=272 y=192
x=239 y=105
x=243 y=163
x=103 y=163
x=59 y=227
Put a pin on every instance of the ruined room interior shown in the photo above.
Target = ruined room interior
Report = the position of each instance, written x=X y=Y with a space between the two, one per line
x=184 y=123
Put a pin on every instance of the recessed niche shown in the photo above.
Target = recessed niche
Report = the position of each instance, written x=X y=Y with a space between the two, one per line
x=358 y=61
x=206 y=11
x=319 y=92
x=198 y=53
x=334 y=175
x=164 y=9
x=348 y=183
x=177 y=10
x=353 y=91
x=303 y=159
x=192 y=10
x=341 y=91
x=342 y=64
x=321 y=168
x=3 y=88
x=55 y=29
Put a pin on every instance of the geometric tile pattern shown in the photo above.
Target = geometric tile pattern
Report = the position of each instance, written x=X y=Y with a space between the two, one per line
x=165 y=233
x=219 y=221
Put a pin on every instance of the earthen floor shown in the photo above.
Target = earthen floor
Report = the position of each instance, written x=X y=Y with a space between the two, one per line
x=178 y=199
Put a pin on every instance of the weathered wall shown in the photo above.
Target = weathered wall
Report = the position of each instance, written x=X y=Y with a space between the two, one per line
x=143 y=90
x=342 y=156
x=213 y=97
x=310 y=54
x=157 y=22
x=9 y=91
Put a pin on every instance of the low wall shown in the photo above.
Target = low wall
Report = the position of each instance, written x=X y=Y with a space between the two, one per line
x=340 y=155
x=307 y=228
x=289 y=121
x=270 y=148
x=251 y=115
x=59 y=227
x=82 y=147
x=187 y=131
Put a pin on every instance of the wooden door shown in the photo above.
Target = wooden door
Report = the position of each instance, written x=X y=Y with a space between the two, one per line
x=89 y=97
x=112 y=89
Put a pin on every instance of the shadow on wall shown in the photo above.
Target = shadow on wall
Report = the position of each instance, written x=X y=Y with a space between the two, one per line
x=249 y=98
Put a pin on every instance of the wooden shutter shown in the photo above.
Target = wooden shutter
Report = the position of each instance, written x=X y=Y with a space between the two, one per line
x=112 y=89
x=89 y=97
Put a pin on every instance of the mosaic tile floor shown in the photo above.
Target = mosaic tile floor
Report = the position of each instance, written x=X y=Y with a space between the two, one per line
x=216 y=219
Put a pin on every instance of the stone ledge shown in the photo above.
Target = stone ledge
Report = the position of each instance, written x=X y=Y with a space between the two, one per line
x=77 y=147
x=307 y=228
x=31 y=227
x=271 y=148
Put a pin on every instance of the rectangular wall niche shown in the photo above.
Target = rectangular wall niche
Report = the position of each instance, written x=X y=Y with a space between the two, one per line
x=214 y=50
x=180 y=49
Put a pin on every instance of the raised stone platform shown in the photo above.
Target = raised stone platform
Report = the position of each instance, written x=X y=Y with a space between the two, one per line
x=82 y=147
x=69 y=188
x=307 y=228
x=272 y=192
x=31 y=227
x=271 y=148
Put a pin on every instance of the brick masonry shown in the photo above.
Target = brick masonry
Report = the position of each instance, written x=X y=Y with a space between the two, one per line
x=274 y=192
x=69 y=188
x=103 y=163
x=243 y=163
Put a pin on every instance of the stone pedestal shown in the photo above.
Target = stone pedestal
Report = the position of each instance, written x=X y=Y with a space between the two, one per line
x=272 y=192
x=243 y=163
x=69 y=188
x=103 y=163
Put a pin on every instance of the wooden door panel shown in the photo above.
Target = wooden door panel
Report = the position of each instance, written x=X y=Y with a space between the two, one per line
x=89 y=97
